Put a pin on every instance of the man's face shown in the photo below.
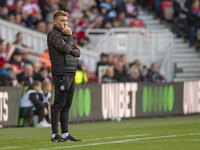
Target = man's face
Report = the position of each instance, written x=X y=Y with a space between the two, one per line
x=154 y=68
x=20 y=37
x=38 y=88
x=61 y=22
x=29 y=72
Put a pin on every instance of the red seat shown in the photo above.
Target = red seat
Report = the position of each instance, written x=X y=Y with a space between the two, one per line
x=150 y=2
x=166 y=4
x=92 y=77
x=137 y=23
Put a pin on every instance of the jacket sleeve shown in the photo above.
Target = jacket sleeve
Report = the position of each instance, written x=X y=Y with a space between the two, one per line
x=75 y=51
x=59 y=43
x=34 y=100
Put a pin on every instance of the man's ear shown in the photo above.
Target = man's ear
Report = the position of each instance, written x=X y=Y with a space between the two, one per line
x=55 y=22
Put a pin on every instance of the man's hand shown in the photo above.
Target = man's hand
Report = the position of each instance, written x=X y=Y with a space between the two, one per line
x=75 y=53
x=67 y=30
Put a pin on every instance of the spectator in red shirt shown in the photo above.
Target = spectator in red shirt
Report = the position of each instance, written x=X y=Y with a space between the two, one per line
x=81 y=27
x=3 y=52
x=31 y=12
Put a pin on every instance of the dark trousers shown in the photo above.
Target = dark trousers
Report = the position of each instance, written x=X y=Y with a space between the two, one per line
x=28 y=113
x=40 y=112
x=177 y=21
x=192 y=33
x=157 y=7
x=62 y=103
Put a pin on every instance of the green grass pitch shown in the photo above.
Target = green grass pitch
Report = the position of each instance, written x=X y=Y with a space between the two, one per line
x=169 y=133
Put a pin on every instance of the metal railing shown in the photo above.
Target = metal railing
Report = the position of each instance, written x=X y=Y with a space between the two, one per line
x=137 y=43
x=38 y=42
x=31 y=38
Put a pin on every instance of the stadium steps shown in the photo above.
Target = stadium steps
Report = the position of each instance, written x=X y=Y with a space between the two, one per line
x=186 y=60
x=189 y=69
x=185 y=79
x=186 y=55
x=184 y=50
x=188 y=74
x=150 y=21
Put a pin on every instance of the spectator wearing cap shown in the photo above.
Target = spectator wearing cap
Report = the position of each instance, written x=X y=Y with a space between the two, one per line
x=16 y=60
x=7 y=76
x=26 y=77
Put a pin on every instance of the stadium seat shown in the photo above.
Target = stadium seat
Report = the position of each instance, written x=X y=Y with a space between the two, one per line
x=167 y=10
x=150 y=2
x=166 y=4
x=92 y=77
x=137 y=23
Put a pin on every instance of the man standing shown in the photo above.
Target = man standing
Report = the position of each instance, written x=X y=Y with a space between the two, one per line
x=63 y=55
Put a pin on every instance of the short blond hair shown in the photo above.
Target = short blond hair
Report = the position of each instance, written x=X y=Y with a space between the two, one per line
x=45 y=84
x=59 y=13
x=36 y=83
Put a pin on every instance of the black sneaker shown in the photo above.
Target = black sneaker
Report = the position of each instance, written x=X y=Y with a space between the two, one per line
x=57 y=138
x=70 y=138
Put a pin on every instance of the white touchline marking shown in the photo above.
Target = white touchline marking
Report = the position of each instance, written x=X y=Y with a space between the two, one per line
x=9 y=147
x=129 y=140
x=115 y=137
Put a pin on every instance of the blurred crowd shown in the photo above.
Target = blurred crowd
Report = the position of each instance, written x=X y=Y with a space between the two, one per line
x=115 y=69
x=15 y=67
x=83 y=14
x=184 y=14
